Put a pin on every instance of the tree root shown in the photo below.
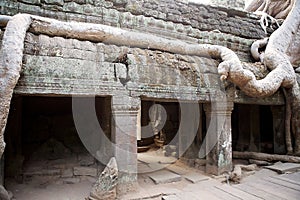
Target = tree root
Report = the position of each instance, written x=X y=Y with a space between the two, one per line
x=10 y=65
x=265 y=157
x=287 y=123
x=237 y=174
x=278 y=9
x=276 y=56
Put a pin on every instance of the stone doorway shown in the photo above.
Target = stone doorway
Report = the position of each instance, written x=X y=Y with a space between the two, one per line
x=161 y=144
x=258 y=128
x=43 y=146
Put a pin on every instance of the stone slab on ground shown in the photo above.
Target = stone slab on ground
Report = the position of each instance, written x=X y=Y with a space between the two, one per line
x=170 y=197
x=257 y=192
x=86 y=159
x=71 y=180
x=292 y=178
x=164 y=176
x=195 y=177
x=236 y=192
x=42 y=172
x=85 y=171
x=283 y=182
x=67 y=173
x=284 y=167
x=178 y=170
x=149 y=158
x=144 y=168
x=278 y=190
x=157 y=166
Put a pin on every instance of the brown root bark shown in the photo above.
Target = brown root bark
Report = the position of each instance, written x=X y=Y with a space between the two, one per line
x=265 y=157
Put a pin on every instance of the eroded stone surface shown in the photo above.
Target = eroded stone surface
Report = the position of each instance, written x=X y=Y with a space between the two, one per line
x=105 y=186
x=85 y=171
x=164 y=176
x=284 y=167
x=195 y=177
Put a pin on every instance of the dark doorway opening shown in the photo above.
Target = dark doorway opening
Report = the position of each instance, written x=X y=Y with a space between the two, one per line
x=43 y=142
x=252 y=128
x=177 y=136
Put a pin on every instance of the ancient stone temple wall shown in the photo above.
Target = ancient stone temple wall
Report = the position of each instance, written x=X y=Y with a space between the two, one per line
x=55 y=64
x=239 y=4
x=143 y=14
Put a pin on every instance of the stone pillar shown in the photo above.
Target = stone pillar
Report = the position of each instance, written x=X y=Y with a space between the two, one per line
x=125 y=111
x=218 y=137
x=278 y=129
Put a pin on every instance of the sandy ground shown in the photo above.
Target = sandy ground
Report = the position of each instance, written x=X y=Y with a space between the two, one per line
x=43 y=188
x=56 y=188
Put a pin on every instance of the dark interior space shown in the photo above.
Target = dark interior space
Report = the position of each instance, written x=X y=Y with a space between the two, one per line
x=168 y=136
x=42 y=139
x=170 y=114
x=252 y=128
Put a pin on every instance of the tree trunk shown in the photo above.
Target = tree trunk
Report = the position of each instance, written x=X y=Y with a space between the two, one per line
x=265 y=157
x=10 y=65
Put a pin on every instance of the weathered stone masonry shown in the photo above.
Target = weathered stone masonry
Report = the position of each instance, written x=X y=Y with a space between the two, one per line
x=54 y=65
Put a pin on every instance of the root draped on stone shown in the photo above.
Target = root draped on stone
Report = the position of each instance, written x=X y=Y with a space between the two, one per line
x=265 y=157
x=13 y=44
x=279 y=56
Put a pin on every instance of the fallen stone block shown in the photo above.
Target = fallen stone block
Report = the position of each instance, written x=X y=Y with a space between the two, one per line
x=164 y=176
x=195 y=177
x=284 y=167
x=85 y=171
x=71 y=180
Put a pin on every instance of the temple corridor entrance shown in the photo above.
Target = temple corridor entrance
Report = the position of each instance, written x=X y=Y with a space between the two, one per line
x=165 y=138
x=258 y=128
x=43 y=146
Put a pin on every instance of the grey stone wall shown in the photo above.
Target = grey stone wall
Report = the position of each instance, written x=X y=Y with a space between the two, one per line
x=240 y=4
x=55 y=65
x=69 y=64
x=119 y=13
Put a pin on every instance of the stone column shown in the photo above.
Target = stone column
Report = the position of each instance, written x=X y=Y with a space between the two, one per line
x=279 y=129
x=218 y=137
x=125 y=121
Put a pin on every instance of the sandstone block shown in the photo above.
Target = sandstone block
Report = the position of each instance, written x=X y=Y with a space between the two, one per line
x=85 y=171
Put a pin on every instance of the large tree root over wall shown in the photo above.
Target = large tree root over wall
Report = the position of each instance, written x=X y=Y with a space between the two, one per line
x=281 y=53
